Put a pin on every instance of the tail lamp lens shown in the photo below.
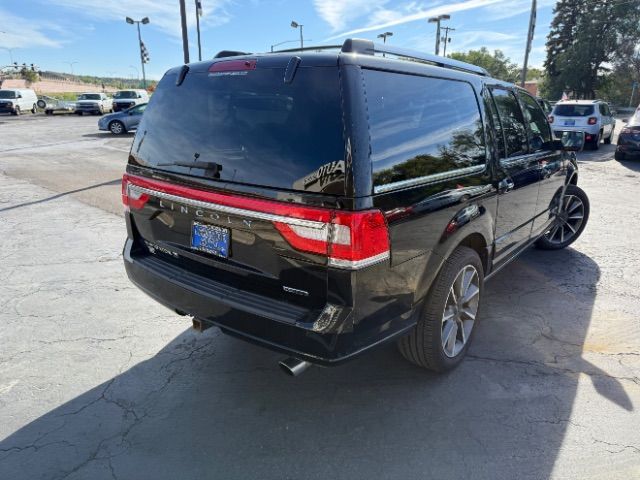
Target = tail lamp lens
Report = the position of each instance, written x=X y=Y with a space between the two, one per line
x=592 y=120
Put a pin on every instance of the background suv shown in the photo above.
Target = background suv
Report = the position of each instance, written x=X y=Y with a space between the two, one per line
x=593 y=117
x=124 y=99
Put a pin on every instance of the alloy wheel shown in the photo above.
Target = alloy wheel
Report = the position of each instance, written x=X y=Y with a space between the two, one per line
x=460 y=311
x=568 y=220
x=116 y=128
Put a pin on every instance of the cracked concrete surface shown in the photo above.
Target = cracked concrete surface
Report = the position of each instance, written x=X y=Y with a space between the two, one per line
x=98 y=381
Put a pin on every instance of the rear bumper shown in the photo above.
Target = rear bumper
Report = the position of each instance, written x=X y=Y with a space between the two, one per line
x=631 y=150
x=272 y=324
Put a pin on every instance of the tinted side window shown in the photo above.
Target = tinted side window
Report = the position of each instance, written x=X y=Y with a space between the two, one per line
x=537 y=124
x=495 y=119
x=512 y=122
x=421 y=126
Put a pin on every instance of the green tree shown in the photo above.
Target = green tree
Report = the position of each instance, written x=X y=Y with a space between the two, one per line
x=497 y=63
x=584 y=38
x=29 y=76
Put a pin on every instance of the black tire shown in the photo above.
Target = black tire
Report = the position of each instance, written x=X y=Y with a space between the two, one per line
x=545 y=243
x=117 y=127
x=34 y=109
x=607 y=141
x=16 y=111
x=79 y=113
x=595 y=145
x=423 y=345
x=48 y=112
x=620 y=156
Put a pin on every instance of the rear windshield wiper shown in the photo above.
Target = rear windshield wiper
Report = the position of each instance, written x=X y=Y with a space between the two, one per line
x=211 y=168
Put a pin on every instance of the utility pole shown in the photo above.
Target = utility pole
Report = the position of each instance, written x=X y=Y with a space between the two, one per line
x=437 y=21
x=446 y=38
x=185 y=35
x=633 y=93
x=198 y=15
x=532 y=28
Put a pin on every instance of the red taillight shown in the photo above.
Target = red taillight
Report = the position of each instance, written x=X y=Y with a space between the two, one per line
x=349 y=239
x=592 y=120
x=551 y=119
x=132 y=199
x=233 y=66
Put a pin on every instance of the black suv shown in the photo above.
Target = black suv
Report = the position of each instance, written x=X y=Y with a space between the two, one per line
x=320 y=202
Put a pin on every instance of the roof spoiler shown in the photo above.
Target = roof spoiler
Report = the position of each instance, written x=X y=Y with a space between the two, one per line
x=230 y=53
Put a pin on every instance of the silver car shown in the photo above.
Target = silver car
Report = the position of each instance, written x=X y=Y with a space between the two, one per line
x=123 y=121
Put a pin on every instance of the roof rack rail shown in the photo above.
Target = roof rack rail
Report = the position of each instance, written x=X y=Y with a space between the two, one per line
x=230 y=53
x=308 y=49
x=367 y=47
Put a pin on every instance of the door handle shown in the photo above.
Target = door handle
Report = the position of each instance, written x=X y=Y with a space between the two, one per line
x=505 y=185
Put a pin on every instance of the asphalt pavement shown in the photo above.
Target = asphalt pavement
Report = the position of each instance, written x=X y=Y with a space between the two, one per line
x=97 y=381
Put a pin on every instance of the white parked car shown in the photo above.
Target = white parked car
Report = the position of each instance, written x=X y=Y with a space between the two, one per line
x=124 y=99
x=593 y=117
x=18 y=100
x=94 y=103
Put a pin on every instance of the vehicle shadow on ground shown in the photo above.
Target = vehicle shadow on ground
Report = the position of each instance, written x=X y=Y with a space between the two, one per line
x=116 y=181
x=109 y=135
x=631 y=164
x=209 y=406
x=603 y=154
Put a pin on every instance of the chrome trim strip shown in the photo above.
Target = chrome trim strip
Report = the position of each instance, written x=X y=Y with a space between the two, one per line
x=358 y=264
x=229 y=210
x=436 y=177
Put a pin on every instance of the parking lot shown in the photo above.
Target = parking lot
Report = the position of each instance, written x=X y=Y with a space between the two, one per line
x=97 y=381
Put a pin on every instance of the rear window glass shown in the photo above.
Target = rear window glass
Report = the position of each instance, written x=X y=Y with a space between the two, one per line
x=573 y=110
x=258 y=129
x=421 y=126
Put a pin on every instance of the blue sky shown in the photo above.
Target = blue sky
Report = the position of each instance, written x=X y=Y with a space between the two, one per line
x=94 y=34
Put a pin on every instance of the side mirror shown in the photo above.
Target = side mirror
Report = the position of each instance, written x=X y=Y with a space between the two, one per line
x=19 y=95
x=571 y=141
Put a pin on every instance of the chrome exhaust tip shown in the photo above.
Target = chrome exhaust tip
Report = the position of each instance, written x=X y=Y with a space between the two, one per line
x=293 y=366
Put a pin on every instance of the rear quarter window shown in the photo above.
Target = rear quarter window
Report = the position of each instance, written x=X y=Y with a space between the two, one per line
x=421 y=126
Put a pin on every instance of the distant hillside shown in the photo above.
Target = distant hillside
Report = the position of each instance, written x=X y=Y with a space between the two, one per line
x=113 y=82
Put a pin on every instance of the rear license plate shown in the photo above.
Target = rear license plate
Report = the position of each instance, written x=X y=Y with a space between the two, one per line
x=210 y=239
x=569 y=123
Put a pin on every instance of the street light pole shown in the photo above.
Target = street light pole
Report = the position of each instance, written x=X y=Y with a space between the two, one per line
x=384 y=36
x=144 y=21
x=185 y=35
x=71 y=66
x=198 y=14
x=295 y=24
x=532 y=27
x=437 y=21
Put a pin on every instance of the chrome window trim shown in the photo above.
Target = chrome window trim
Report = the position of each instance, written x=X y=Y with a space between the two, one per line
x=229 y=210
x=436 y=177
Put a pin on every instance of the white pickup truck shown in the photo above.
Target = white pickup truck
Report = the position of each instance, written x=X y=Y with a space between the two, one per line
x=94 y=103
